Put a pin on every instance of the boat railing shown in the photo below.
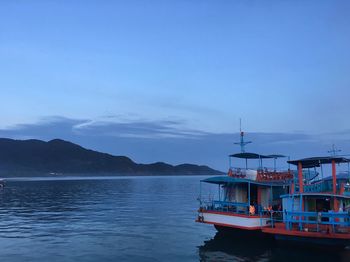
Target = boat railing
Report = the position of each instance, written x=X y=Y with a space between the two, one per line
x=265 y=174
x=325 y=186
x=259 y=169
x=261 y=174
x=238 y=172
x=316 y=187
x=324 y=222
x=226 y=206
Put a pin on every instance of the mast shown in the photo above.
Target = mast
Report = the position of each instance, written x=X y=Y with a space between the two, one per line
x=242 y=143
x=334 y=150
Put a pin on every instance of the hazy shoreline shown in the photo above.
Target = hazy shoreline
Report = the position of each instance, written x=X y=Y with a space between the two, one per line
x=63 y=178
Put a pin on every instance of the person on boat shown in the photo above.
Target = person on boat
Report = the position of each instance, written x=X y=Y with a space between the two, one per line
x=269 y=208
x=251 y=210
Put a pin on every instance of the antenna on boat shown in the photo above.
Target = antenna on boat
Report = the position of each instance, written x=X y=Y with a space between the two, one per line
x=334 y=151
x=242 y=143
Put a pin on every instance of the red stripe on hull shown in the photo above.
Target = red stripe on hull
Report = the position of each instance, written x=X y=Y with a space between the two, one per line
x=227 y=225
x=305 y=234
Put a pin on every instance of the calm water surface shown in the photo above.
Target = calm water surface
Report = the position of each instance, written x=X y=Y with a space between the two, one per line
x=124 y=219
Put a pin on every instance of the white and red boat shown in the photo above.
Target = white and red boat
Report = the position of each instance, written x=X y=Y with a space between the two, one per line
x=246 y=195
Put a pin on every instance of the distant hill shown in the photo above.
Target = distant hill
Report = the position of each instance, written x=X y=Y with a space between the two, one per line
x=59 y=157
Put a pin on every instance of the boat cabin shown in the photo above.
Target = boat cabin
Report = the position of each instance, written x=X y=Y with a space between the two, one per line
x=251 y=190
x=315 y=209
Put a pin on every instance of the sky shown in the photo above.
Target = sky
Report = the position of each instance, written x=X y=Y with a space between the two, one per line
x=169 y=80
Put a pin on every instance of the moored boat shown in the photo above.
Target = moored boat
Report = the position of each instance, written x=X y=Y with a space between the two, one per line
x=303 y=206
x=316 y=211
x=246 y=196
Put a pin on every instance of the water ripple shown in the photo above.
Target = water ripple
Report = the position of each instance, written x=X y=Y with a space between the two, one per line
x=126 y=219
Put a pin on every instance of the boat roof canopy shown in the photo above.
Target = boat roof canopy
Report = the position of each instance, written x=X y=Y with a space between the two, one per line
x=276 y=156
x=254 y=156
x=219 y=180
x=317 y=161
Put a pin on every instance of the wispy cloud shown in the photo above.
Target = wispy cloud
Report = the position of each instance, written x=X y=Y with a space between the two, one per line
x=136 y=129
x=104 y=126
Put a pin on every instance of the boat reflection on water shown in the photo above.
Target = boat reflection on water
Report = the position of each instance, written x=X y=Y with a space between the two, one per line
x=228 y=247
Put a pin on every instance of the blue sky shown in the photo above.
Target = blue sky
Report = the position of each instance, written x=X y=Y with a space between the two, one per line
x=144 y=77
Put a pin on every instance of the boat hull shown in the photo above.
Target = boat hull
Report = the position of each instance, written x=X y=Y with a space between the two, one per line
x=313 y=241
x=241 y=233
x=308 y=238
x=233 y=221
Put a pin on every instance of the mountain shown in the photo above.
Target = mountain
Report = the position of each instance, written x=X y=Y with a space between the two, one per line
x=36 y=157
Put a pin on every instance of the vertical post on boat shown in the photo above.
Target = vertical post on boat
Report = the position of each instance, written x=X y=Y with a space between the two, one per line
x=200 y=193
x=300 y=177
x=288 y=163
x=301 y=208
x=293 y=204
x=315 y=171
x=271 y=205
x=246 y=163
x=321 y=170
x=301 y=190
x=219 y=193
x=334 y=176
x=274 y=164
x=248 y=196
x=271 y=195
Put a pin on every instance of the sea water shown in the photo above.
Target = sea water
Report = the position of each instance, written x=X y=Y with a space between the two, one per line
x=123 y=219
